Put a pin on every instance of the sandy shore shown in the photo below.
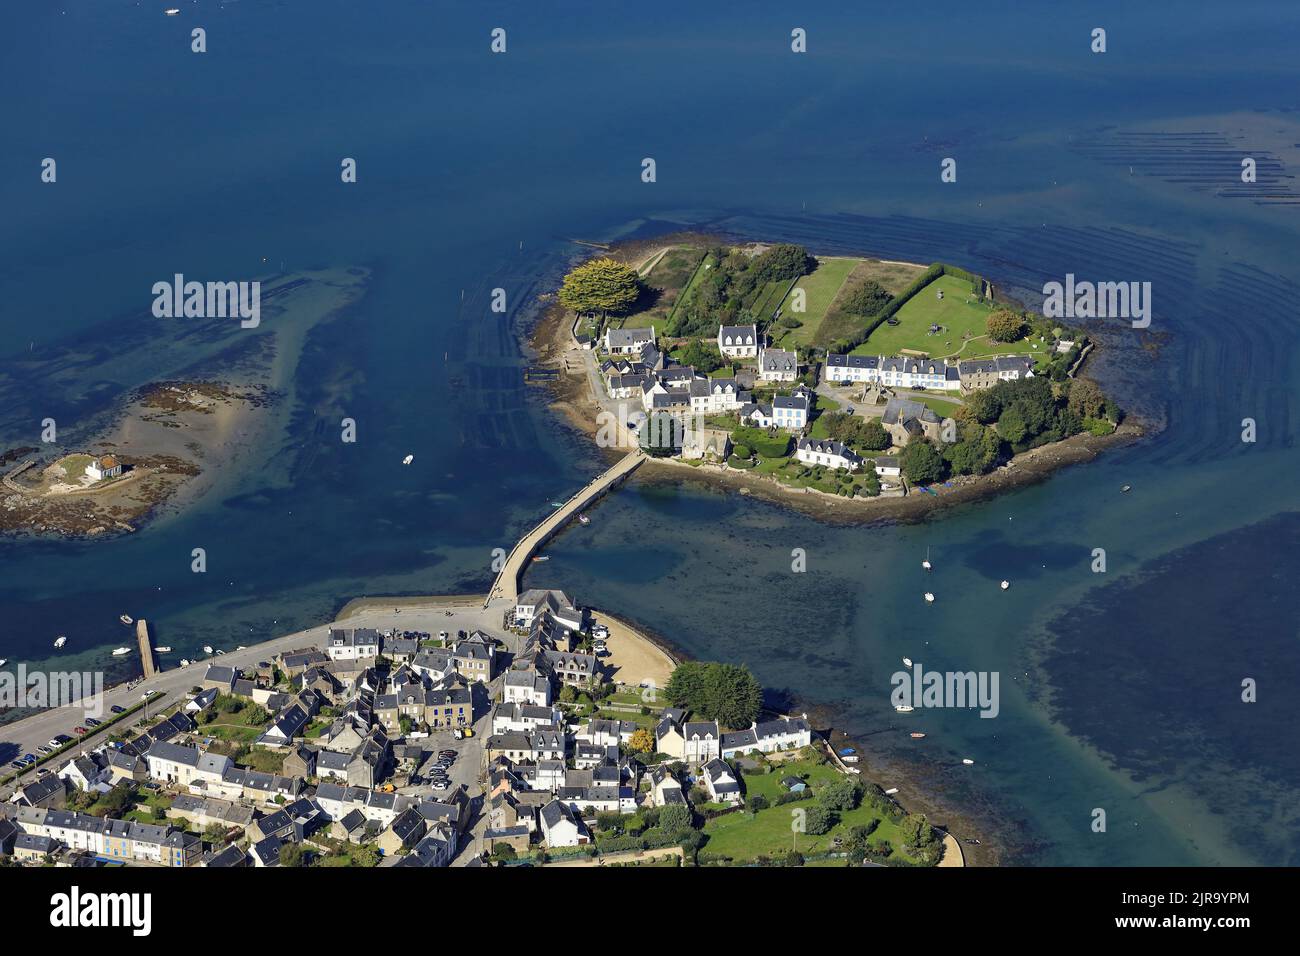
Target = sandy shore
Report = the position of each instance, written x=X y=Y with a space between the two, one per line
x=634 y=658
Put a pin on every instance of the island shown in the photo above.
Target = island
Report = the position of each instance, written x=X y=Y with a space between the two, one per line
x=847 y=386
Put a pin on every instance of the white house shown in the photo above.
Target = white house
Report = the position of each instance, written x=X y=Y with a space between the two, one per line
x=768 y=737
x=852 y=368
x=790 y=411
x=106 y=467
x=777 y=365
x=831 y=454
x=721 y=782
x=561 y=828
x=904 y=372
x=628 y=341
x=716 y=395
x=700 y=740
x=176 y=764
x=886 y=466
x=352 y=643
x=738 y=341
x=527 y=686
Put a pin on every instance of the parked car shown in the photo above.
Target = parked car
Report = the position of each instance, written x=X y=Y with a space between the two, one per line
x=80 y=730
x=30 y=758
x=117 y=709
x=17 y=765
x=45 y=750
x=54 y=743
x=62 y=739
x=447 y=753
x=92 y=722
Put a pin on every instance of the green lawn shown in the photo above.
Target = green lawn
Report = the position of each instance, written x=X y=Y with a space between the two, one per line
x=820 y=288
x=743 y=837
x=769 y=297
x=961 y=317
x=944 y=408
x=668 y=278
x=705 y=264
x=894 y=277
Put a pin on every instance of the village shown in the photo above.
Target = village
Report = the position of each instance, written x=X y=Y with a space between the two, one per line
x=495 y=745
x=841 y=387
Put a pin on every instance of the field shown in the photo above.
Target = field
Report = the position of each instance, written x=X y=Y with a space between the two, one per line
x=666 y=280
x=742 y=836
x=961 y=317
x=893 y=276
x=820 y=287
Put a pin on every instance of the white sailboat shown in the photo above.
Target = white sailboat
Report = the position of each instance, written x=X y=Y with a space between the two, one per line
x=926 y=563
x=907 y=662
x=929 y=598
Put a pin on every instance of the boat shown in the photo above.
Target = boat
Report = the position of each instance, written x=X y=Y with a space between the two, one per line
x=185 y=662
x=891 y=791
x=557 y=504
x=163 y=650
x=540 y=557
x=584 y=519
x=207 y=649
x=121 y=651
x=904 y=708
x=1126 y=488
x=408 y=459
x=929 y=598
x=907 y=662
x=3 y=661
x=967 y=761
x=1004 y=585
x=916 y=735
x=926 y=563
x=60 y=641
x=220 y=652
x=126 y=619
x=172 y=11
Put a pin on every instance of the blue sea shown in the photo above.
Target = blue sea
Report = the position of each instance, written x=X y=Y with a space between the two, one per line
x=1120 y=690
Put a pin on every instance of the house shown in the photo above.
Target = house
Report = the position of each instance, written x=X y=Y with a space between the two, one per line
x=700 y=740
x=985 y=373
x=183 y=766
x=887 y=466
x=201 y=701
x=220 y=678
x=664 y=787
x=405 y=831
x=266 y=853
x=852 y=368
x=30 y=848
x=50 y=793
x=515 y=837
x=790 y=411
x=794 y=784
x=231 y=856
x=352 y=643
x=560 y=606
x=627 y=341
x=706 y=442
x=759 y=413
x=907 y=372
x=905 y=420
x=829 y=454
x=299 y=762
x=777 y=365
x=787 y=733
x=90 y=772
x=8 y=834
x=710 y=395
x=560 y=828
x=475 y=661
x=668 y=736
x=527 y=686
x=106 y=467
x=295 y=662
x=721 y=783
x=580 y=670
x=289 y=723
x=738 y=341
x=437 y=849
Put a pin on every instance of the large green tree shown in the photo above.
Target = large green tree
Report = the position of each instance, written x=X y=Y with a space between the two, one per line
x=921 y=464
x=600 y=285
x=1003 y=325
x=865 y=298
x=727 y=693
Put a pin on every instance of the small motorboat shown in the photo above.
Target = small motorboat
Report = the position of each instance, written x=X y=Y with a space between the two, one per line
x=126 y=619
x=540 y=557
x=207 y=649
x=1004 y=585
x=3 y=661
x=60 y=641
x=584 y=519
x=904 y=708
x=185 y=662
x=240 y=647
x=121 y=651
x=557 y=504
x=967 y=761
x=408 y=459
x=172 y=11
x=220 y=652
x=929 y=598
x=163 y=650
x=916 y=735
x=891 y=791
x=1126 y=488
x=907 y=662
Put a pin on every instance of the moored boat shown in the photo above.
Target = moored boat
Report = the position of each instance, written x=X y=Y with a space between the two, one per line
x=60 y=641
x=904 y=708
x=163 y=650
x=929 y=598
x=121 y=651
x=126 y=619
x=916 y=735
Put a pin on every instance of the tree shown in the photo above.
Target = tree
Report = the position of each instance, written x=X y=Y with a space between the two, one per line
x=293 y=854
x=727 y=693
x=866 y=298
x=568 y=694
x=758 y=802
x=642 y=741
x=661 y=435
x=1003 y=325
x=984 y=406
x=503 y=851
x=818 y=820
x=780 y=262
x=916 y=830
x=601 y=285
x=921 y=464
x=703 y=357
x=1086 y=399
x=839 y=794
x=794 y=858
x=674 y=818
x=1012 y=425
